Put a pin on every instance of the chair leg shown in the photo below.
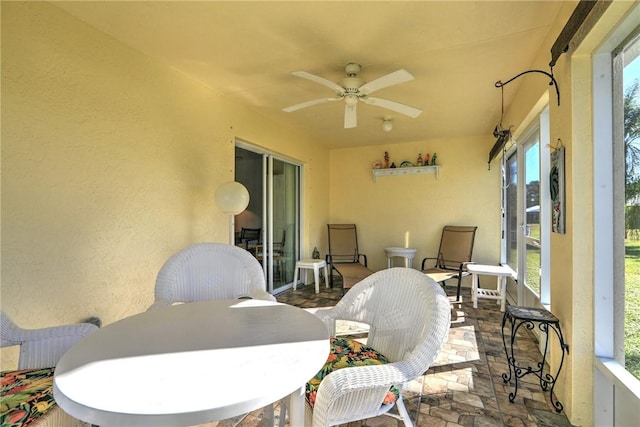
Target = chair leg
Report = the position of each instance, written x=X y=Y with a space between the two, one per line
x=402 y=410
x=458 y=291
x=283 y=412
x=268 y=416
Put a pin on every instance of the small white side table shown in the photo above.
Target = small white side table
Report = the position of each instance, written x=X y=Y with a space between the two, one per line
x=500 y=293
x=406 y=253
x=315 y=265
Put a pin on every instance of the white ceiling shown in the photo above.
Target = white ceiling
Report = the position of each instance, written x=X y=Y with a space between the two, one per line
x=456 y=50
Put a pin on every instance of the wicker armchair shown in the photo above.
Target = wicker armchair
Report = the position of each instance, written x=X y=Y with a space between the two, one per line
x=209 y=271
x=409 y=317
x=42 y=348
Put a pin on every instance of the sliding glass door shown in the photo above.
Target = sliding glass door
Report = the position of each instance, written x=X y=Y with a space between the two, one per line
x=274 y=189
x=527 y=218
x=281 y=221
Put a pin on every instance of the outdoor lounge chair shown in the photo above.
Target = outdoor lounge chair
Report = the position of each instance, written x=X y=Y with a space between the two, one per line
x=454 y=253
x=344 y=256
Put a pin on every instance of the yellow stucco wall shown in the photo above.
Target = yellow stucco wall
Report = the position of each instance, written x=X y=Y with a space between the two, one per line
x=572 y=259
x=412 y=209
x=574 y=386
x=110 y=161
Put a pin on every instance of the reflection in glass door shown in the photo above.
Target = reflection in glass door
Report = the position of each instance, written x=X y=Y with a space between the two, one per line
x=274 y=208
x=281 y=222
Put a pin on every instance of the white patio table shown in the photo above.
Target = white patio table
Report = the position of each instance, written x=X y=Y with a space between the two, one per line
x=192 y=363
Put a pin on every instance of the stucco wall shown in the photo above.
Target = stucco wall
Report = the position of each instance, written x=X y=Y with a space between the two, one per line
x=567 y=293
x=110 y=161
x=412 y=209
x=572 y=254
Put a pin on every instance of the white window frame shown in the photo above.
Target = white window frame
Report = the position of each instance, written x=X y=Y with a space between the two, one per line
x=539 y=125
x=616 y=391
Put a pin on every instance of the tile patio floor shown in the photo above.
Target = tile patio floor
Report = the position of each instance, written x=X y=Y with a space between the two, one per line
x=464 y=386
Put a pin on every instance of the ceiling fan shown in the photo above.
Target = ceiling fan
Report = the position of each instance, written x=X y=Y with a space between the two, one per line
x=352 y=89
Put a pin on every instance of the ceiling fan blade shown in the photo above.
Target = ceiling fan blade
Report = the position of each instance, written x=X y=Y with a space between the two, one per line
x=391 y=79
x=309 y=104
x=394 y=106
x=350 y=116
x=328 y=83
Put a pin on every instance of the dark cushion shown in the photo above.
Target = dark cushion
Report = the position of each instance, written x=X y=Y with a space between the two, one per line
x=346 y=353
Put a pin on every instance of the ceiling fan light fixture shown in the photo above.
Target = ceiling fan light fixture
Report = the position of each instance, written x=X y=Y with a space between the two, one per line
x=351 y=99
x=387 y=125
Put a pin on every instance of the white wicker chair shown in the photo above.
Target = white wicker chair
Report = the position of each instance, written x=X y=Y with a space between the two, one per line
x=210 y=271
x=42 y=348
x=409 y=317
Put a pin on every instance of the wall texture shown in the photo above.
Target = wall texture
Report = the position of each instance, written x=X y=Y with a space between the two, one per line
x=412 y=209
x=110 y=161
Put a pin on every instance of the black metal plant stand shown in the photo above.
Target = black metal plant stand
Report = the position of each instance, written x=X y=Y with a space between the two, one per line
x=530 y=317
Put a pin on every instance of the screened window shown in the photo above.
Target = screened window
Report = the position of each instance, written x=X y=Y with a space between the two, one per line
x=631 y=140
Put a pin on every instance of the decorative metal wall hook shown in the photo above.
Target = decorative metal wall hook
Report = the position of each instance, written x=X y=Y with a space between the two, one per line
x=553 y=81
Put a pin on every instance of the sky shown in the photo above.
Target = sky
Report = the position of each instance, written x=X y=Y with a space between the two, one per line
x=631 y=72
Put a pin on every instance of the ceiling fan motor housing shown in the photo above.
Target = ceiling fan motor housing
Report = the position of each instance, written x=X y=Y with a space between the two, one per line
x=351 y=84
x=352 y=69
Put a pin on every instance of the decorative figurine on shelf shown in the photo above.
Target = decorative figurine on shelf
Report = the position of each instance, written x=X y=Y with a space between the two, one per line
x=434 y=159
x=420 y=162
x=316 y=253
x=426 y=159
x=393 y=165
x=386 y=160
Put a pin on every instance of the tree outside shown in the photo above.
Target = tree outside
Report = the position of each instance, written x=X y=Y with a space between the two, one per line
x=632 y=212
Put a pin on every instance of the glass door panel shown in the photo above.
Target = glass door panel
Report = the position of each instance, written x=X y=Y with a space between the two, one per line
x=274 y=208
x=532 y=217
x=285 y=223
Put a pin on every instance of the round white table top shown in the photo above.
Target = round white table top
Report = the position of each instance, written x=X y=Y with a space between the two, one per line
x=398 y=251
x=190 y=364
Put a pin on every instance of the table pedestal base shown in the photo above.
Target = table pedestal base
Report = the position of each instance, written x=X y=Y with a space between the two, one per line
x=406 y=253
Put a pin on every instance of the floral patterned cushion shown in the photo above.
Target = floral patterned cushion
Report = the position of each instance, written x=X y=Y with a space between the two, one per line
x=346 y=353
x=25 y=396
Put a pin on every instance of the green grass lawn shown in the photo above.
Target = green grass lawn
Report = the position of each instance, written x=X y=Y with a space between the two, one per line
x=632 y=296
x=632 y=307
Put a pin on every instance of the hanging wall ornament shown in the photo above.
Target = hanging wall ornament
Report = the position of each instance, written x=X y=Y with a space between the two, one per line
x=556 y=185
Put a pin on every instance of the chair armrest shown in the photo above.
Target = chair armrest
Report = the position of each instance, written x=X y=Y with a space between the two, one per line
x=463 y=266
x=80 y=330
x=364 y=257
x=370 y=383
x=42 y=348
x=328 y=317
x=424 y=260
x=158 y=303
x=261 y=295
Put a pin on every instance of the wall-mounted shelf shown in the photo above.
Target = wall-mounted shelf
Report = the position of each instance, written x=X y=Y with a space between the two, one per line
x=405 y=171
